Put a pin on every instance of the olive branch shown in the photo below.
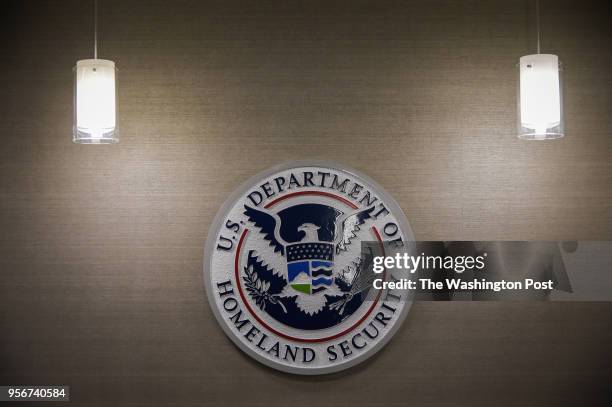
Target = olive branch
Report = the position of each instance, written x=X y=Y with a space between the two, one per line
x=259 y=290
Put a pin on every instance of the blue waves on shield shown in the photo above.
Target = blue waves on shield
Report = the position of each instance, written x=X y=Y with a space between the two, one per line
x=309 y=266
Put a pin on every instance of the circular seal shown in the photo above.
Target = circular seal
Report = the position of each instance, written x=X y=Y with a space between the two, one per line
x=286 y=272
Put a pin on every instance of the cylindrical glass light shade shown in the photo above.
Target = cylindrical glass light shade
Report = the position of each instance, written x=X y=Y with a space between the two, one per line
x=540 y=98
x=95 y=102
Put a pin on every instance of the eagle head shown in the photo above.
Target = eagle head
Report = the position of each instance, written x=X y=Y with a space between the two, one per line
x=311 y=233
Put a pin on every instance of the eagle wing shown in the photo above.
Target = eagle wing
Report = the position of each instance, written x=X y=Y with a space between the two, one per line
x=350 y=225
x=268 y=225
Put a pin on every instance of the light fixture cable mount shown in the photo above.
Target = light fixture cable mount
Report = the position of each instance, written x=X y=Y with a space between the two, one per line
x=96 y=30
x=537 y=22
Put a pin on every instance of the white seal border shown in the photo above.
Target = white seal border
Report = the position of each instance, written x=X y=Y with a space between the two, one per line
x=211 y=241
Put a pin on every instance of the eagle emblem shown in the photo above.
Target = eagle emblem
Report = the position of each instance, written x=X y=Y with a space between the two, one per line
x=306 y=266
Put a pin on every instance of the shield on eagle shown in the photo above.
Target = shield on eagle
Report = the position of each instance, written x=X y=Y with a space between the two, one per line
x=310 y=266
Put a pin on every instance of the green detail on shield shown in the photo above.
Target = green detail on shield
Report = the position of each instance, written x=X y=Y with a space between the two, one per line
x=303 y=288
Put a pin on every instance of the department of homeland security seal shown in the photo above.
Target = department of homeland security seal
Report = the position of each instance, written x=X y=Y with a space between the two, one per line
x=283 y=267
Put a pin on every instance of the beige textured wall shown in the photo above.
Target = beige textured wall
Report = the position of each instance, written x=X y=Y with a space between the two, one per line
x=101 y=246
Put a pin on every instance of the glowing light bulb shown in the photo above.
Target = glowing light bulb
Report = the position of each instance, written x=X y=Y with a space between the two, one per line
x=540 y=100
x=95 y=102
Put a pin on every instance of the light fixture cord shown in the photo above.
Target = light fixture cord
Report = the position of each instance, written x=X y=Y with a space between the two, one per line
x=95 y=29
x=537 y=22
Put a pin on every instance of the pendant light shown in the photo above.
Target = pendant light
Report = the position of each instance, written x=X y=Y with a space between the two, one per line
x=540 y=94
x=95 y=98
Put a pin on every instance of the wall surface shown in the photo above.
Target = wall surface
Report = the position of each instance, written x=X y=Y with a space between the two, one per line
x=101 y=247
